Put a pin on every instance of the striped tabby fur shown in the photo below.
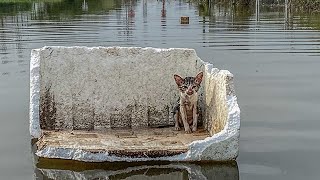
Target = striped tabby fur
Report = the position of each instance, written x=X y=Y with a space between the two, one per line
x=186 y=109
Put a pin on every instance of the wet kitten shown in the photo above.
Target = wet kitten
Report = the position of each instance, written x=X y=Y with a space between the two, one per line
x=187 y=113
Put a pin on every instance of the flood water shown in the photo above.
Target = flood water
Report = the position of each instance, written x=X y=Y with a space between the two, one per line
x=274 y=56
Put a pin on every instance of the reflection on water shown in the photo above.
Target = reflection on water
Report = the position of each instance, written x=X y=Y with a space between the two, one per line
x=223 y=26
x=62 y=169
x=250 y=28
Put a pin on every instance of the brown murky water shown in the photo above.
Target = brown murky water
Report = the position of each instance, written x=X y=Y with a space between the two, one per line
x=275 y=59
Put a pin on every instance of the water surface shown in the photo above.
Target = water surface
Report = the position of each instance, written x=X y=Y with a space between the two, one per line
x=274 y=57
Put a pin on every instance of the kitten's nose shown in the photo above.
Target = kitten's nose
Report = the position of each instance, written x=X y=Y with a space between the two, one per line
x=189 y=92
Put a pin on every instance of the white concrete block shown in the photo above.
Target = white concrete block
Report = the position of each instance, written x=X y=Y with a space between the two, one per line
x=103 y=87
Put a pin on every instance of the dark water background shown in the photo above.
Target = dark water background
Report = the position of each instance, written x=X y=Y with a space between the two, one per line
x=275 y=58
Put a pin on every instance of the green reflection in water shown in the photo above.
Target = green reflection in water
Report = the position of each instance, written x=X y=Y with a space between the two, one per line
x=238 y=11
x=312 y=21
x=57 y=9
x=242 y=11
x=13 y=8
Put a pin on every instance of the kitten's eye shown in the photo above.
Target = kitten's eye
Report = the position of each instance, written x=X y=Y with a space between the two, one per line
x=194 y=87
x=184 y=87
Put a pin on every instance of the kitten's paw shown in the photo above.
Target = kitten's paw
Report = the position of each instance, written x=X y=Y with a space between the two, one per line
x=177 y=128
x=194 y=129
x=188 y=131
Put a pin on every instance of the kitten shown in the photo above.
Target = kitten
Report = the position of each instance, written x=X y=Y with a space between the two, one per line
x=187 y=106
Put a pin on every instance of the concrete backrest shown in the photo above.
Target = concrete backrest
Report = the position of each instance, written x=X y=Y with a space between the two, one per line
x=93 y=88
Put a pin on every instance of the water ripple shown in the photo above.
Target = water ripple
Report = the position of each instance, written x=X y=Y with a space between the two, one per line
x=152 y=23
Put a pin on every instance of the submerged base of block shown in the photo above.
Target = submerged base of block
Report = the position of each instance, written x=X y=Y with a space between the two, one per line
x=134 y=143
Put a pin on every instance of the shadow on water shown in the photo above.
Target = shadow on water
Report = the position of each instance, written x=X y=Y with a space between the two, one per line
x=67 y=169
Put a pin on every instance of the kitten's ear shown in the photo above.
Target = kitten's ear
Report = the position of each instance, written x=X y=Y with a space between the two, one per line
x=198 y=78
x=178 y=79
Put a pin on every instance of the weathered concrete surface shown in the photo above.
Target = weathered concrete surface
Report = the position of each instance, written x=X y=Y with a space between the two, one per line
x=94 y=88
x=142 y=142
x=98 y=88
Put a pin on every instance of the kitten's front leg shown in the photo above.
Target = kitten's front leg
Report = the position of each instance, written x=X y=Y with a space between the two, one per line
x=183 y=112
x=195 y=117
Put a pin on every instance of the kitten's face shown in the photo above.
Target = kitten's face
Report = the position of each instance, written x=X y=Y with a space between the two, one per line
x=189 y=85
